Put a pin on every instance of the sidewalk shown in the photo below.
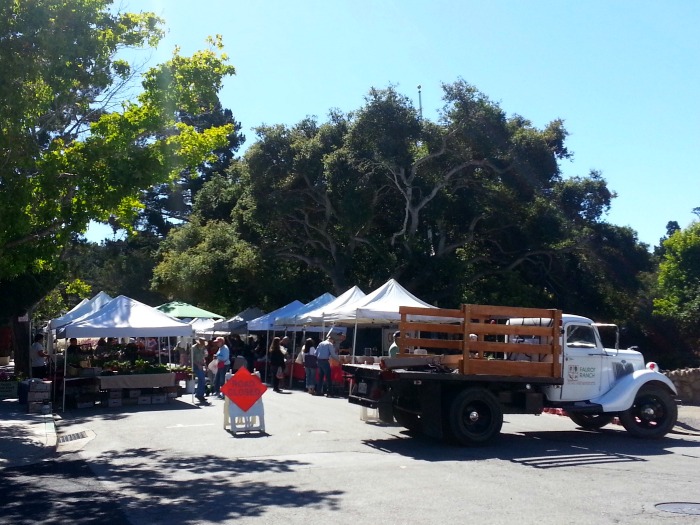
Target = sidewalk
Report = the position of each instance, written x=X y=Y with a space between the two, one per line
x=24 y=438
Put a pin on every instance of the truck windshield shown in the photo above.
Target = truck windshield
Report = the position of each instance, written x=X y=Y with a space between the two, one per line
x=580 y=336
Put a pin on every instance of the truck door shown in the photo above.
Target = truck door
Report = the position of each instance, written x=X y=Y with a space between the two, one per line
x=583 y=359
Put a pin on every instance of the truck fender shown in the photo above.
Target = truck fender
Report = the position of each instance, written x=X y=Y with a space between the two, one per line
x=621 y=396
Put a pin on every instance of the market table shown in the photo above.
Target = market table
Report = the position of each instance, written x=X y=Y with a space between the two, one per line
x=136 y=381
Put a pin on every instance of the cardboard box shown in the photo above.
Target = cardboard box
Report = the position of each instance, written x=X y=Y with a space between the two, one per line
x=33 y=396
x=158 y=399
x=114 y=402
x=145 y=400
x=134 y=393
x=39 y=386
x=35 y=407
x=114 y=394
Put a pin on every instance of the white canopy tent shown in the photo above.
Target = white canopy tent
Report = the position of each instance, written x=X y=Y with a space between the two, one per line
x=267 y=322
x=83 y=309
x=125 y=317
x=315 y=317
x=380 y=307
x=295 y=319
x=239 y=322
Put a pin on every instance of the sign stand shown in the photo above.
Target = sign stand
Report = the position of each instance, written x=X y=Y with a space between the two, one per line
x=249 y=420
x=243 y=407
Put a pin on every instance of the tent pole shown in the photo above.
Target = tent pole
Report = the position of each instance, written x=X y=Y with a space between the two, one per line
x=267 y=351
x=294 y=348
x=354 y=339
x=65 y=370
x=192 y=367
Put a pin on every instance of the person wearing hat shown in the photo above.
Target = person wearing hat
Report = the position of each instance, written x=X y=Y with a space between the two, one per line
x=199 y=354
x=394 y=348
x=325 y=351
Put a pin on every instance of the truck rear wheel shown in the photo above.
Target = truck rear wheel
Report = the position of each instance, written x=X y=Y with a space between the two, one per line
x=591 y=421
x=475 y=416
x=653 y=414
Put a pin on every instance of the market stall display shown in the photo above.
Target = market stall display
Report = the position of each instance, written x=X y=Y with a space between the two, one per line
x=123 y=318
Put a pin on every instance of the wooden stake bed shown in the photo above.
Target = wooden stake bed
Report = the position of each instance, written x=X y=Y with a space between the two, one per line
x=482 y=340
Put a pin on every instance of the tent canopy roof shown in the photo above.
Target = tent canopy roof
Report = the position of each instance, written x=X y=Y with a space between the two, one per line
x=315 y=316
x=239 y=322
x=125 y=317
x=379 y=307
x=298 y=315
x=85 y=308
x=183 y=310
x=267 y=321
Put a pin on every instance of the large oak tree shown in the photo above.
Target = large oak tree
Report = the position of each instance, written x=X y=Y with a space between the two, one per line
x=76 y=141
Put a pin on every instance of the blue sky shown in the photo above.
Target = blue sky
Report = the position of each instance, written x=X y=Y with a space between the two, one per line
x=623 y=75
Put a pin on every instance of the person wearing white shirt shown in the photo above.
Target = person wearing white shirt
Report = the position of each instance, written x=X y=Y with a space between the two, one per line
x=325 y=351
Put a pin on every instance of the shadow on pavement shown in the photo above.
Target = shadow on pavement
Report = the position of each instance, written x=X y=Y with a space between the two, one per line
x=132 y=490
x=540 y=449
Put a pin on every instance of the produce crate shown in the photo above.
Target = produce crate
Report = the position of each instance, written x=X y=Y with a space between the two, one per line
x=39 y=386
x=33 y=396
x=145 y=400
x=158 y=399
x=169 y=391
x=38 y=407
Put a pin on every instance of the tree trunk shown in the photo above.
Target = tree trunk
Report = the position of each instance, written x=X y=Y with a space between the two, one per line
x=20 y=345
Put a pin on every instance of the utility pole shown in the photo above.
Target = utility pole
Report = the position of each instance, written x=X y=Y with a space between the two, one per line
x=420 y=103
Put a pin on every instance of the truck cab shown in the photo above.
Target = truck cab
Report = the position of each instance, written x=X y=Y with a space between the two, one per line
x=588 y=368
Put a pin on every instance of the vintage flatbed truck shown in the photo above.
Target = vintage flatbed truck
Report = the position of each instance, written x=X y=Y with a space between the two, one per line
x=459 y=370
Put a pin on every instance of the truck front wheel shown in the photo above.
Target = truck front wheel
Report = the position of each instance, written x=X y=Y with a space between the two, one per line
x=591 y=421
x=653 y=414
x=475 y=416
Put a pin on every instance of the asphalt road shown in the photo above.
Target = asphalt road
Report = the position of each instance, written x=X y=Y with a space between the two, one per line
x=318 y=462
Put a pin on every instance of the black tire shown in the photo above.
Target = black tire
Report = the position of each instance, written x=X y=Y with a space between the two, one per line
x=475 y=416
x=653 y=414
x=591 y=421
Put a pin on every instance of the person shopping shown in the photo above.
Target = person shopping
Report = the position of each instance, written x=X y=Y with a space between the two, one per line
x=222 y=355
x=277 y=364
x=324 y=353
x=310 y=365
x=199 y=354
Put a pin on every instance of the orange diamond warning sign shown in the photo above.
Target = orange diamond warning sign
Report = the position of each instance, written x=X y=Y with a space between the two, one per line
x=243 y=389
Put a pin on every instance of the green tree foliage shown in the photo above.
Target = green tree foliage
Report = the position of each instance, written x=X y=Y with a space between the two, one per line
x=72 y=148
x=472 y=208
x=679 y=281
